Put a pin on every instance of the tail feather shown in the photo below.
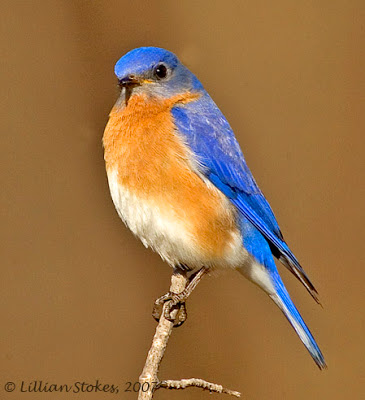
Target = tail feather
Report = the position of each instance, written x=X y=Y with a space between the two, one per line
x=263 y=272
x=284 y=302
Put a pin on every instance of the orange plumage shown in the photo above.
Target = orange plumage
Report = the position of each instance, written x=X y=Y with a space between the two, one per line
x=154 y=164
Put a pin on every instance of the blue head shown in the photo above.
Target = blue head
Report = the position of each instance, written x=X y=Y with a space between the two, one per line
x=154 y=71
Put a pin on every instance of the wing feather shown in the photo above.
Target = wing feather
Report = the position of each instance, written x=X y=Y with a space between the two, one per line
x=208 y=134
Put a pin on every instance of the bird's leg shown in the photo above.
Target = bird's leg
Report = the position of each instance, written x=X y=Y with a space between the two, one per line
x=177 y=300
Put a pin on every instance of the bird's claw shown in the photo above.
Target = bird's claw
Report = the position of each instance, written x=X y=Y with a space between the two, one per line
x=175 y=301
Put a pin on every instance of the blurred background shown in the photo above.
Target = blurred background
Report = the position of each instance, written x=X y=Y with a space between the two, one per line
x=77 y=288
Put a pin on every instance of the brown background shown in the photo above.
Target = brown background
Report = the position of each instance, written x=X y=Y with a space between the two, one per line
x=77 y=288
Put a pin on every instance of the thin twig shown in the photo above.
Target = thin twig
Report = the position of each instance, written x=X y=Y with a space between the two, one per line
x=184 y=383
x=148 y=380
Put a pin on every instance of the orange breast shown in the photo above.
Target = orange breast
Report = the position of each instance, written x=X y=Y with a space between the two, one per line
x=140 y=142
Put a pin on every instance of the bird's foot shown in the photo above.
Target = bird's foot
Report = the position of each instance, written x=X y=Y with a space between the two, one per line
x=176 y=301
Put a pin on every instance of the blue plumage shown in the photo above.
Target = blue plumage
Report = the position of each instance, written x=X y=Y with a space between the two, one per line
x=207 y=132
x=256 y=245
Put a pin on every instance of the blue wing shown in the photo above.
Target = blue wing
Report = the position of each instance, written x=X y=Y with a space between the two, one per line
x=209 y=135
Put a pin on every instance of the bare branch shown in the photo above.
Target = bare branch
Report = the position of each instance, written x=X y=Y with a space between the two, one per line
x=184 y=383
x=148 y=380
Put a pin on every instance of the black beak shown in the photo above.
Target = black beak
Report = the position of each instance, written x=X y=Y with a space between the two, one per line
x=129 y=83
x=129 y=80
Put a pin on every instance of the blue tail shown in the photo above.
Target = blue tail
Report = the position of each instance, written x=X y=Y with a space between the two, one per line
x=263 y=272
x=284 y=302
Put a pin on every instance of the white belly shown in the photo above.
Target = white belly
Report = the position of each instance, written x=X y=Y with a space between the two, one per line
x=171 y=237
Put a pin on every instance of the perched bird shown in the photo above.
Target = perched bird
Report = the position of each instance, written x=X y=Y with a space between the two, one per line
x=179 y=181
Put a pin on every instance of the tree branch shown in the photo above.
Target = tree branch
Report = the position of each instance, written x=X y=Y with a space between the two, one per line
x=148 y=380
x=184 y=383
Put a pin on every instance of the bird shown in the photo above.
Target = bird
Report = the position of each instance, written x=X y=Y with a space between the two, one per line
x=179 y=181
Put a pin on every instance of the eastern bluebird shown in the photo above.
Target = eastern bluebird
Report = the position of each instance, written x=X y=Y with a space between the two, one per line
x=179 y=181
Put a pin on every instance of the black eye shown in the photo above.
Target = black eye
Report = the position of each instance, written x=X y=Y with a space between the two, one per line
x=161 y=71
